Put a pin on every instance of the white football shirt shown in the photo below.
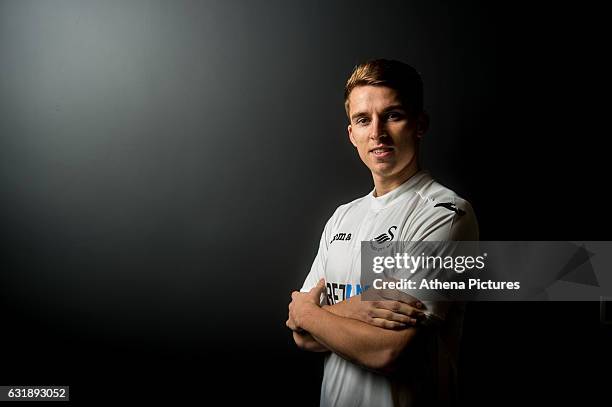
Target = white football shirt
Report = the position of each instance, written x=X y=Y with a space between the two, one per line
x=420 y=209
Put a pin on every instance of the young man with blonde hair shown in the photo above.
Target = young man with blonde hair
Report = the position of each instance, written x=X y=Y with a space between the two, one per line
x=380 y=352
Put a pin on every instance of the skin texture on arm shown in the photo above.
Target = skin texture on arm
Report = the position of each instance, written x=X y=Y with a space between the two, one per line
x=372 y=347
x=369 y=346
x=388 y=314
x=305 y=341
x=302 y=338
x=385 y=309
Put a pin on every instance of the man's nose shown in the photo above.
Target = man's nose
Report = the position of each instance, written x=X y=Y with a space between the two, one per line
x=378 y=129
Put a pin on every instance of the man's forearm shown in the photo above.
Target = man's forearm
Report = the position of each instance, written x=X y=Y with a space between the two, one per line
x=308 y=342
x=408 y=308
x=344 y=308
x=358 y=342
x=305 y=341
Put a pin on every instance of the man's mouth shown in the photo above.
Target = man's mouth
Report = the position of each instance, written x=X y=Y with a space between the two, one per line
x=382 y=151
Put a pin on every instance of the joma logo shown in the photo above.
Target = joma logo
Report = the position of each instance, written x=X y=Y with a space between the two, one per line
x=340 y=236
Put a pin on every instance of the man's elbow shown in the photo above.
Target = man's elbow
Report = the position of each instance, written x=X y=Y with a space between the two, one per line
x=299 y=340
x=383 y=361
x=305 y=342
x=386 y=357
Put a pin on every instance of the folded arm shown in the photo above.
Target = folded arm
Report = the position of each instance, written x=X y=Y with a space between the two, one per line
x=369 y=346
x=328 y=328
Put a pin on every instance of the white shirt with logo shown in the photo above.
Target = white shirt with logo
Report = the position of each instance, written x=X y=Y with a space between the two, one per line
x=420 y=209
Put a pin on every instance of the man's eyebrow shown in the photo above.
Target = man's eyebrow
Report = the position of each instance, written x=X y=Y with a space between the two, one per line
x=386 y=110
x=358 y=114
x=394 y=107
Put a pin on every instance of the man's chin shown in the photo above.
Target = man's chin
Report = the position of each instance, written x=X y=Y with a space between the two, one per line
x=385 y=166
x=383 y=170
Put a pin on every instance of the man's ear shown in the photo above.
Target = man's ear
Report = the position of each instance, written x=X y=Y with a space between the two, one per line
x=422 y=124
x=351 y=137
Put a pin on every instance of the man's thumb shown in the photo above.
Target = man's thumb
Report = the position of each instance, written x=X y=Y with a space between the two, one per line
x=321 y=284
x=319 y=288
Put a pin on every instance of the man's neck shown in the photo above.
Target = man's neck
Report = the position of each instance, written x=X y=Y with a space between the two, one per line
x=386 y=185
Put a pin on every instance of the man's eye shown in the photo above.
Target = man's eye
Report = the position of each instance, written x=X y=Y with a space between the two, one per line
x=394 y=116
x=362 y=120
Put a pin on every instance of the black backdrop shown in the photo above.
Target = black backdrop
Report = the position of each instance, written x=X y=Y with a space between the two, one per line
x=166 y=169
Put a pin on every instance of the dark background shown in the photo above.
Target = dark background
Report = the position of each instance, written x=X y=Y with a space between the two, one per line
x=166 y=169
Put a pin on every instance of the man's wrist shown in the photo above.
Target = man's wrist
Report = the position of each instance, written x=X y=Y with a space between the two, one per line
x=346 y=308
x=338 y=309
x=308 y=314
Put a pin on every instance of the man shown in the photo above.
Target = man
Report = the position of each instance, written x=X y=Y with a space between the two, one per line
x=380 y=352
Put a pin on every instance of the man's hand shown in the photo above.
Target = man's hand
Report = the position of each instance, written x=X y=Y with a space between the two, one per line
x=301 y=303
x=389 y=311
x=298 y=301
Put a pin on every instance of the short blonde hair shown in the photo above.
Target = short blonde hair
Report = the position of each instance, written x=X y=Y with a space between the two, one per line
x=393 y=74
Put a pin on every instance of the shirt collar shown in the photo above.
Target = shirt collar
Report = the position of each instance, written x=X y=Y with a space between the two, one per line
x=396 y=195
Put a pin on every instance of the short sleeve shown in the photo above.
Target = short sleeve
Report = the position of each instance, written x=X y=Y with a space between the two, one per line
x=457 y=224
x=452 y=220
x=317 y=270
x=439 y=224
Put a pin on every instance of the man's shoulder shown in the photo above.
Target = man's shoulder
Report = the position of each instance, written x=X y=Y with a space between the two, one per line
x=344 y=208
x=347 y=209
x=435 y=197
x=442 y=214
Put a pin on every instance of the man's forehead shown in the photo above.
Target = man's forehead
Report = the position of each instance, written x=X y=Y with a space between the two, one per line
x=373 y=96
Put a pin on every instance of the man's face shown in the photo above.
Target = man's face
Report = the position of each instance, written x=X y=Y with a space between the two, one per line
x=383 y=132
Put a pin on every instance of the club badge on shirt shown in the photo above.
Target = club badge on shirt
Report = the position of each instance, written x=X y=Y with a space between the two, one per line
x=384 y=240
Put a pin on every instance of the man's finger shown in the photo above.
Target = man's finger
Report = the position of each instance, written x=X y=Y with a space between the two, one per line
x=381 y=313
x=321 y=283
x=383 y=323
x=400 y=308
x=397 y=295
x=290 y=324
x=318 y=290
